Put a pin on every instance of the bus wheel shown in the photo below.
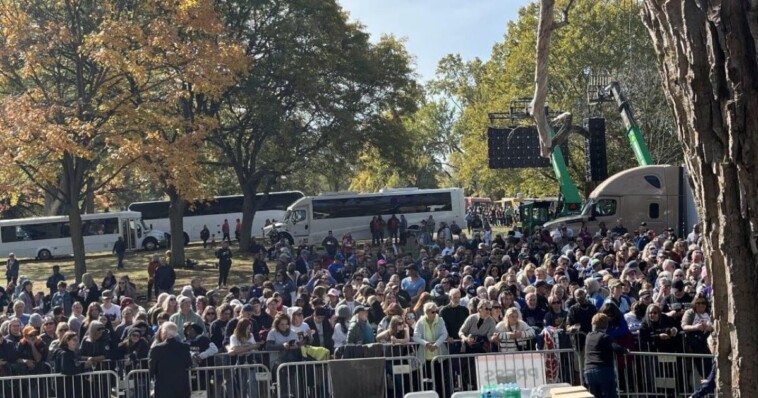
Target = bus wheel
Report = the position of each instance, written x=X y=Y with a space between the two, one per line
x=44 y=254
x=150 y=244
x=186 y=239
x=289 y=238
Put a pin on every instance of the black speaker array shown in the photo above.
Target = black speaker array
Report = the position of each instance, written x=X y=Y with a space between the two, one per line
x=514 y=148
x=595 y=151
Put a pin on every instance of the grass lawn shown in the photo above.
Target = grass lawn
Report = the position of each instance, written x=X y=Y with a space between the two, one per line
x=135 y=264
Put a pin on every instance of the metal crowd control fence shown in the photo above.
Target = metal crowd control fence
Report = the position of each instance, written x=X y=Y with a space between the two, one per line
x=237 y=381
x=660 y=374
x=137 y=384
x=56 y=385
x=260 y=357
x=468 y=372
x=313 y=379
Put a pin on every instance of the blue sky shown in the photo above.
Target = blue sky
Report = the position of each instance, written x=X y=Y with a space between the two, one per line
x=434 y=28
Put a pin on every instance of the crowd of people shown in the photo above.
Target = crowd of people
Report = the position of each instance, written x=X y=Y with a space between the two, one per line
x=455 y=294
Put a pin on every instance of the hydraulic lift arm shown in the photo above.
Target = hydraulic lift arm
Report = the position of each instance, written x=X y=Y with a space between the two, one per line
x=633 y=132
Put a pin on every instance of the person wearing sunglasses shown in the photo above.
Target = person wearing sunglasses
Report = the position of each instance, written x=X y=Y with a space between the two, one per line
x=96 y=345
x=658 y=331
x=431 y=335
x=698 y=325
x=478 y=331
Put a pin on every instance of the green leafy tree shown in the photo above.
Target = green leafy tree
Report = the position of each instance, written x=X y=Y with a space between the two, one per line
x=316 y=83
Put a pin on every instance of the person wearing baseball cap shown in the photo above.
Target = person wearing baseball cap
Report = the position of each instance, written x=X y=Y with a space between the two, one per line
x=359 y=331
x=677 y=302
x=617 y=297
x=246 y=313
x=334 y=297
x=261 y=319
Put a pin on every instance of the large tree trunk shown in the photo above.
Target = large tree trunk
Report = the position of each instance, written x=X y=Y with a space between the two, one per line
x=53 y=206
x=176 y=208
x=544 y=32
x=71 y=187
x=707 y=54
x=249 y=206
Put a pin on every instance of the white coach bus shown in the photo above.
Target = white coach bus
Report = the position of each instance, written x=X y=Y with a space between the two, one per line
x=310 y=218
x=47 y=237
x=213 y=213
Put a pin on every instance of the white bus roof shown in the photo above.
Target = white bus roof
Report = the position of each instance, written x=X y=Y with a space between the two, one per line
x=217 y=197
x=91 y=216
x=384 y=192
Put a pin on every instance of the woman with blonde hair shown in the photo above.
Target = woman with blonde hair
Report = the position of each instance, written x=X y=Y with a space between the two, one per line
x=513 y=333
x=157 y=308
x=88 y=290
x=526 y=276
x=170 y=306
x=61 y=329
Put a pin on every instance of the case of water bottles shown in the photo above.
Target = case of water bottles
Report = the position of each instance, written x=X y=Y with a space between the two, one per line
x=510 y=390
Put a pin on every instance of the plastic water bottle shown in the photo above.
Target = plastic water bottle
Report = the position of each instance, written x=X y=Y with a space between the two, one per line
x=491 y=391
x=511 y=390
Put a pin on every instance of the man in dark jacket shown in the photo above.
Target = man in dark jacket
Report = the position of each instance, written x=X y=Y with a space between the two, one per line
x=323 y=330
x=169 y=363
x=165 y=277
x=205 y=234
x=52 y=281
x=224 y=255
x=119 y=249
x=580 y=314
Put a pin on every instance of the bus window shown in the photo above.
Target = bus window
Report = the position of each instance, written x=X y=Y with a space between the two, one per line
x=374 y=205
x=8 y=234
x=38 y=231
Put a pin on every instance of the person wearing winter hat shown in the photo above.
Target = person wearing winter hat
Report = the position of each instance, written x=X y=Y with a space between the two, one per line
x=341 y=326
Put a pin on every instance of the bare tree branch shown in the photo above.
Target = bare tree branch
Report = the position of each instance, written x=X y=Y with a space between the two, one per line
x=537 y=108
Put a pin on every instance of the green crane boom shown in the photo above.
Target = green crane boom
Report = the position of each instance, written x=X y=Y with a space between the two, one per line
x=572 y=201
x=633 y=132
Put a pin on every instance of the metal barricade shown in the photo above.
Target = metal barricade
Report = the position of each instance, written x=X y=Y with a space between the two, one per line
x=314 y=379
x=468 y=372
x=238 y=381
x=137 y=384
x=660 y=374
x=400 y=350
x=90 y=384
x=259 y=357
